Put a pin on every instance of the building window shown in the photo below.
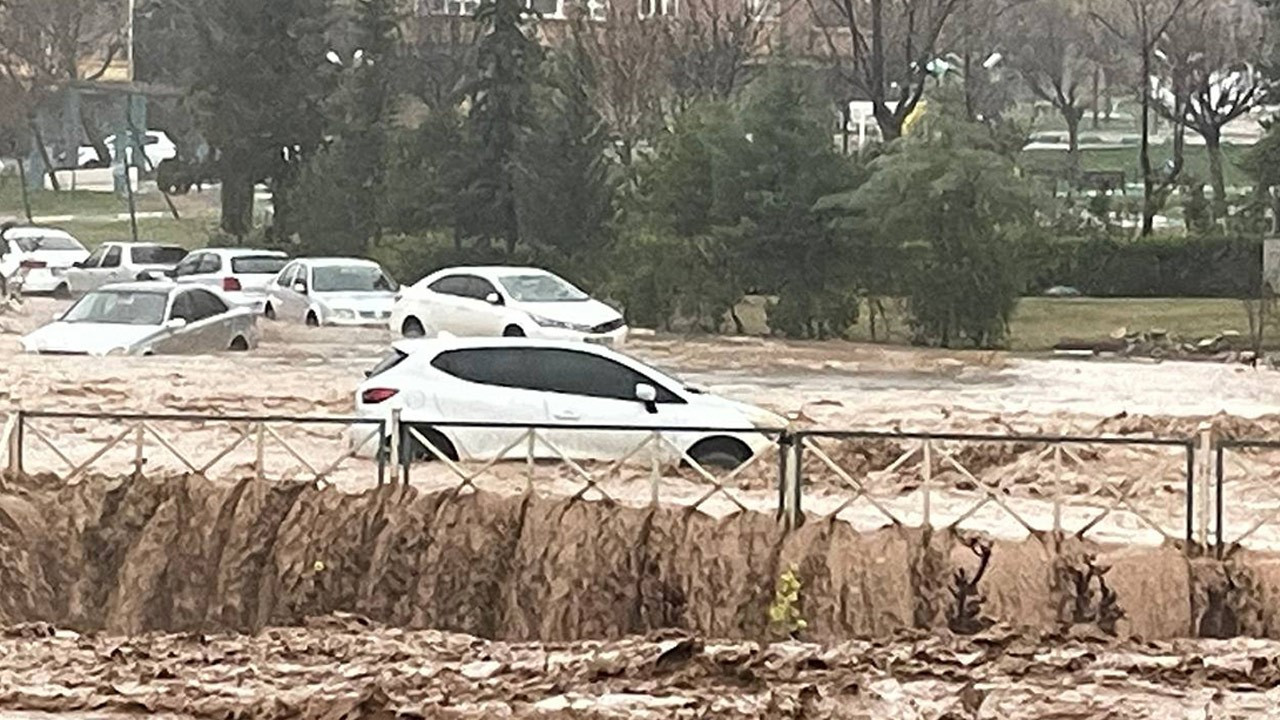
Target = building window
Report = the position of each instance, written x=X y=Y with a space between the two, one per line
x=450 y=7
x=663 y=8
x=547 y=8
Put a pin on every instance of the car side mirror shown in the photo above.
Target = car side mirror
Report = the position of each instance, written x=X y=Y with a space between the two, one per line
x=648 y=395
x=300 y=288
x=493 y=299
x=171 y=272
x=176 y=323
x=78 y=264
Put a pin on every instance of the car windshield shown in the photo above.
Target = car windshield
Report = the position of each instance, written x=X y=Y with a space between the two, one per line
x=258 y=265
x=119 y=307
x=541 y=288
x=158 y=255
x=32 y=244
x=351 y=278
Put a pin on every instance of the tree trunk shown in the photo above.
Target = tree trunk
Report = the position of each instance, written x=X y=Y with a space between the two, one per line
x=1144 y=151
x=38 y=135
x=26 y=192
x=1213 y=146
x=91 y=133
x=1097 y=77
x=1073 y=115
x=237 y=202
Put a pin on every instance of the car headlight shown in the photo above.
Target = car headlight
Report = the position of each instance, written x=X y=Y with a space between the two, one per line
x=343 y=313
x=549 y=323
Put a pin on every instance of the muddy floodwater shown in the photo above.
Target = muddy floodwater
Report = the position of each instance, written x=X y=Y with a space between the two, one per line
x=171 y=596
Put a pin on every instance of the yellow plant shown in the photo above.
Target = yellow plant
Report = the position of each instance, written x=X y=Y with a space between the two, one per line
x=784 y=613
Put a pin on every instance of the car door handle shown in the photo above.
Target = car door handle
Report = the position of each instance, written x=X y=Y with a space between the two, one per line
x=566 y=415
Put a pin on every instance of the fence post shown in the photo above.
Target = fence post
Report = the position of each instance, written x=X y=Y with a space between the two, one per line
x=1191 y=495
x=927 y=509
x=1219 y=520
x=1205 y=486
x=139 y=442
x=790 y=449
x=259 y=459
x=13 y=438
x=655 y=467
x=393 y=444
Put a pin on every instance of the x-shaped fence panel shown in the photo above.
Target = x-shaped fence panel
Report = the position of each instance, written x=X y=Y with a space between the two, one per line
x=1105 y=488
x=1246 y=500
x=74 y=445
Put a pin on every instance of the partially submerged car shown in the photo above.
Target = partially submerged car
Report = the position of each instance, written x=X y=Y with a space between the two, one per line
x=504 y=301
x=145 y=318
x=332 y=291
x=43 y=254
x=116 y=262
x=503 y=383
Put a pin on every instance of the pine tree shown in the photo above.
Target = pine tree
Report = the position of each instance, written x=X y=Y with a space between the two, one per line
x=500 y=118
x=565 y=190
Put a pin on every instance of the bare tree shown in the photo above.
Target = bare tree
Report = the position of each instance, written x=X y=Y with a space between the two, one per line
x=1141 y=25
x=1049 y=44
x=884 y=49
x=48 y=44
x=1211 y=80
x=633 y=60
x=714 y=42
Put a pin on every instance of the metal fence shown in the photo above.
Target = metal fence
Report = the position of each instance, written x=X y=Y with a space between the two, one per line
x=1199 y=492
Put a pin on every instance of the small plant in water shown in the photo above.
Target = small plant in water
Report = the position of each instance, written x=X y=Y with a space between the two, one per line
x=784 y=613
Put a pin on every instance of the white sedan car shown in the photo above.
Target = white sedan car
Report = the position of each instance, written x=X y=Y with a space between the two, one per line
x=504 y=301
x=331 y=291
x=117 y=262
x=242 y=274
x=145 y=318
x=548 y=382
x=44 y=253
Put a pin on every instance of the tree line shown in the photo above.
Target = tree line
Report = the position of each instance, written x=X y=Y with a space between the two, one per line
x=679 y=162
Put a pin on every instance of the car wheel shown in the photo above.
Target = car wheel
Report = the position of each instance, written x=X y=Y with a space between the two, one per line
x=412 y=328
x=724 y=453
x=269 y=312
x=239 y=344
x=513 y=331
x=412 y=449
x=62 y=292
x=312 y=320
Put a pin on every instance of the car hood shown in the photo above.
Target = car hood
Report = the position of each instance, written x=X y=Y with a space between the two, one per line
x=356 y=301
x=585 y=312
x=87 y=338
x=758 y=417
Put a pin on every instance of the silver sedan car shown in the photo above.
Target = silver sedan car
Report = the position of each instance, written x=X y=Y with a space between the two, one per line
x=332 y=291
x=145 y=318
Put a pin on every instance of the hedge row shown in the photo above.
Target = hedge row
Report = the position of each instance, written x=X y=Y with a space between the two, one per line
x=1212 y=266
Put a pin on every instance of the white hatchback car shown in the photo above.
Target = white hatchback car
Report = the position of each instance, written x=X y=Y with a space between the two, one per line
x=504 y=301
x=46 y=255
x=242 y=274
x=549 y=382
x=117 y=262
x=332 y=291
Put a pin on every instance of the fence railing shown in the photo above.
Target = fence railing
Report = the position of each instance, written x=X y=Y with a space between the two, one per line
x=1199 y=491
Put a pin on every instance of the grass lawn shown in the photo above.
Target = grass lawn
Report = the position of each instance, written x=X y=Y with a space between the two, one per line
x=1196 y=161
x=189 y=233
x=1040 y=323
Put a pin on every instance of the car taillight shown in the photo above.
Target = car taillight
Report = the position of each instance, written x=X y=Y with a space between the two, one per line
x=33 y=264
x=373 y=396
x=230 y=284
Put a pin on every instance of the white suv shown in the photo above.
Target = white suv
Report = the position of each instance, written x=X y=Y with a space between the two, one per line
x=504 y=301
x=545 y=382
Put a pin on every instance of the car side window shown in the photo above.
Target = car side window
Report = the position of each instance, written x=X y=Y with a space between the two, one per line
x=205 y=305
x=479 y=288
x=210 y=263
x=95 y=258
x=450 y=285
x=548 y=370
x=285 y=278
x=580 y=373
x=189 y=265
x=112 y=258
x=182 y=308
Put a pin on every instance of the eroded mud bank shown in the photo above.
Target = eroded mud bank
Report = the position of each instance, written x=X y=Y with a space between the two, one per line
x=185 y=554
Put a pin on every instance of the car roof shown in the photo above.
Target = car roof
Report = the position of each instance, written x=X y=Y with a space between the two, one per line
x=492 y=272
x=127 y=244
x=141 y=286
x=26 y=231
x=241 y=252
x=334 y=261
x=414 y=346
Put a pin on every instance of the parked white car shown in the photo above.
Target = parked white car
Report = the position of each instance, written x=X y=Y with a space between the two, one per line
x=157 y=147
x=44 y=253
x=332 y=291
x=116 y=262
x=550 y=382
x=504 y=301
x=145 y=318
x=242 y=274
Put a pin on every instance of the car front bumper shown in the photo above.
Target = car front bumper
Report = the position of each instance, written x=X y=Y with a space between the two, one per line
x=358 y=320
x=614 y=338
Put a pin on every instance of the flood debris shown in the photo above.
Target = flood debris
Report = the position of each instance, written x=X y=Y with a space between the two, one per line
x=1227 y=346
